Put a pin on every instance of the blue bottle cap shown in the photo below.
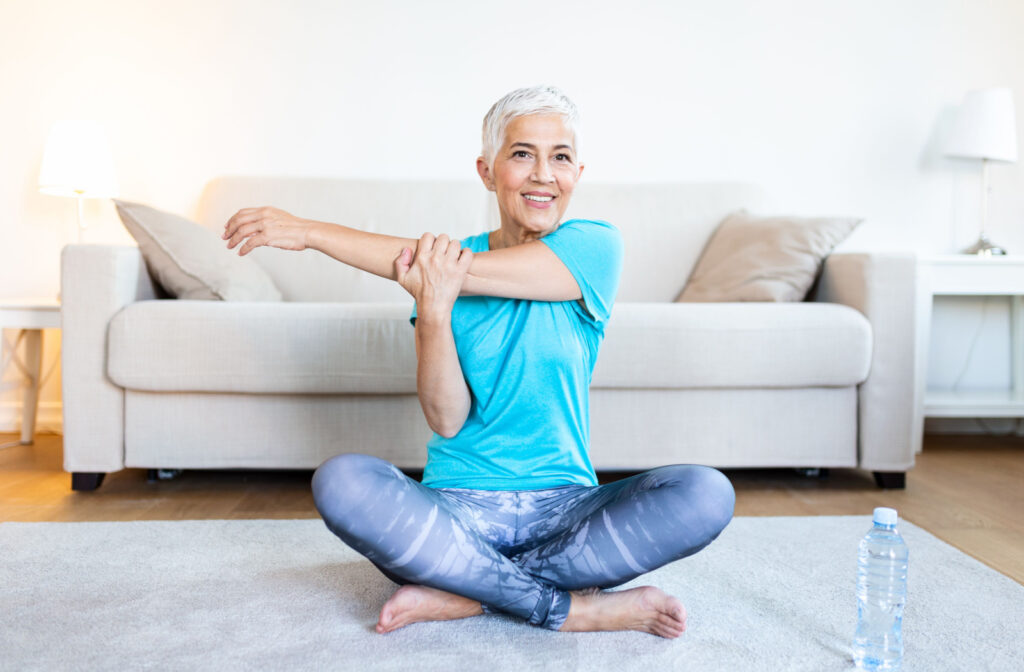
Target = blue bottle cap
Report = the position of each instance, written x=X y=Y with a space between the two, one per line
x=885 y=516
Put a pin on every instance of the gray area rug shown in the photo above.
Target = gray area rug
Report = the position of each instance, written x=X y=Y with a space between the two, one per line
x=768 y=594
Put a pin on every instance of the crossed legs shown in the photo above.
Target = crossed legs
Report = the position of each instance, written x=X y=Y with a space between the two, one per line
x=461 y=552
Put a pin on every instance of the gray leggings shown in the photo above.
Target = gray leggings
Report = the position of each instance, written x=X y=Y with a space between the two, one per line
x=521 y=551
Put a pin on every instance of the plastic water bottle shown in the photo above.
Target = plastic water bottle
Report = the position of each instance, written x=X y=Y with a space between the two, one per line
x=881 y=594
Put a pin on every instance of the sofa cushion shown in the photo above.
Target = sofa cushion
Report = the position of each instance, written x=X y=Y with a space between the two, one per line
x=734 y=345
x=257 y=347
x=750 y=258
x=191 y=262
x=331 y=348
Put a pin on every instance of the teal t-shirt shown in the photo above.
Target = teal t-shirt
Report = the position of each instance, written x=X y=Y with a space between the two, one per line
x=528 y=365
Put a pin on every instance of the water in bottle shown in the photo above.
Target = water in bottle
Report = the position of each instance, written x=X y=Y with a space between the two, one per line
x=881 y=594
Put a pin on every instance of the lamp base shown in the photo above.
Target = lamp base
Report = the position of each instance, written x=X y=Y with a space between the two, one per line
x=984 y=248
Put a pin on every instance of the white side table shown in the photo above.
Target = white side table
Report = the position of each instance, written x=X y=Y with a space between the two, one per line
x=30 y=317
x=968 y=275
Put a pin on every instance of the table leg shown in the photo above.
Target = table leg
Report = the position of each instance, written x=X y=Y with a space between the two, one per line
x=924 y=307
x=34 y=368
x=1016 y=353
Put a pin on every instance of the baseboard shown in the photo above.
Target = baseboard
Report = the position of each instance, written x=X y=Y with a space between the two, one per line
x=49 y=417
x=980 y=426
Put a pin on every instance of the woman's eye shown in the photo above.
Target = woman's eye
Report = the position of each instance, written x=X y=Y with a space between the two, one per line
x=563 y=157
x=521 y=152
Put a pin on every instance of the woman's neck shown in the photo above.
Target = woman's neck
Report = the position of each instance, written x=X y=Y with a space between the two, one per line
x=505 y=237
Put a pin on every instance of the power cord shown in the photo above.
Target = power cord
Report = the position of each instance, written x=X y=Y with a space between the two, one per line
x=974 y=343
x=1015 y=430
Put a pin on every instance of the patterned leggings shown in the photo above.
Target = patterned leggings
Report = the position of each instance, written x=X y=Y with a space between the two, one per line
x=521 y=551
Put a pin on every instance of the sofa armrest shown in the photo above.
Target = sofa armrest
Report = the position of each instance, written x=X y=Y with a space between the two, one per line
x=883 y=286
x=96 y=281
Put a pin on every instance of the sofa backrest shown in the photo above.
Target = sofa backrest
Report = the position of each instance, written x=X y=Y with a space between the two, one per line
x=664 y=226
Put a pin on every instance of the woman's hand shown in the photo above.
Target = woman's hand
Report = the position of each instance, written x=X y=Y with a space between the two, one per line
x=434 y=273
x=266 y=226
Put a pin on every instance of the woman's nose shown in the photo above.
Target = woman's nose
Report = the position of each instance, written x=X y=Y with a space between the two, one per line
x=542 y=173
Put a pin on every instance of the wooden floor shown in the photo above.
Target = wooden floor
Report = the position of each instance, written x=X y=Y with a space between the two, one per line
x=966 y=490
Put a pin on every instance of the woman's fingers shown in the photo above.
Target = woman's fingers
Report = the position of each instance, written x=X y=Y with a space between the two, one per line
x=243 y=216
x=254 y=241
x=454 y=247
x=244 y=231
x=243 y=223
x=402 y=262
x=431 y=247
x=440 y=249
x=266 y=226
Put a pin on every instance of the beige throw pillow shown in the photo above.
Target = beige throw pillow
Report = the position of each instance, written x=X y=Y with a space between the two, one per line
x=191 y=262
x=750 y=258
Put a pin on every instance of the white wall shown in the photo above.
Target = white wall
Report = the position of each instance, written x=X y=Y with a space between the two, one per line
x=836 y=108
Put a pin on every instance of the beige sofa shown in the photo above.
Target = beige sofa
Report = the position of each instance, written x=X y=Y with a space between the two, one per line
x=173 y=384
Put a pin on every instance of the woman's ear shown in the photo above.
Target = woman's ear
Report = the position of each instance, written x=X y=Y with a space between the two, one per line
x=485 y=173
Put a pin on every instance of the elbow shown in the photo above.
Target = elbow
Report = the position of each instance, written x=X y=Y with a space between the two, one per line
x=447 y=421
x=448 y=431
x=448 y=424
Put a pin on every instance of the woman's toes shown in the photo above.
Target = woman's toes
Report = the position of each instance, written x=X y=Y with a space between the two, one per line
x=674 y=629
x=671 y=620
x=663 y=630
x=387 y=621
x=668 y=621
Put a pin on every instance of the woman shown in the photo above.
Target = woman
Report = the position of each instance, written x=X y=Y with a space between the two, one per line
x=509 y=516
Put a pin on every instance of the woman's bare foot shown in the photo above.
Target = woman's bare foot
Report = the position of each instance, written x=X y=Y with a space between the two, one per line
x=413 y=604
x=646 y=609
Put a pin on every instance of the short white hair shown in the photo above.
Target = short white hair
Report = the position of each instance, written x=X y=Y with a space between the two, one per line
x=541 y=99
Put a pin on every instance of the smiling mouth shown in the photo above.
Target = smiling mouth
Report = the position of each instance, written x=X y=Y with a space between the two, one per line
x=538 y=199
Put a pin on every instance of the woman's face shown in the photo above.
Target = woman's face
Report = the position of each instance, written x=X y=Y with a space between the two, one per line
x=534 y=172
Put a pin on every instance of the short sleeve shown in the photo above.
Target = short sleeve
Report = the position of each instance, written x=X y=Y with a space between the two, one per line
x=592 y=251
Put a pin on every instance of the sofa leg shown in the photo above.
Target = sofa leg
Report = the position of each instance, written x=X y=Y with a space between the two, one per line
x=154 y=475
x=891 y=480
x=86 y=480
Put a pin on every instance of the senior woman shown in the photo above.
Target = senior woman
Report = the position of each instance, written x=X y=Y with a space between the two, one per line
x=509 y=516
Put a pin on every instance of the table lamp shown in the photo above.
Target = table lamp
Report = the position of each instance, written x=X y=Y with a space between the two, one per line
x=986 y=129
x=78 y=162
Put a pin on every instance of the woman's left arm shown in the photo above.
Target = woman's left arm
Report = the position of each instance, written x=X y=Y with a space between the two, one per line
x=526 y=271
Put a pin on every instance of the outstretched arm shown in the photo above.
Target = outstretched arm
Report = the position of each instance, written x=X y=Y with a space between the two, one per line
x=371 y=252
x=527 y=271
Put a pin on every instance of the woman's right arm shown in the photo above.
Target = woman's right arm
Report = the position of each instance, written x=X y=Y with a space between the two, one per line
x=434 y=278
x=371 y=252
x=440 y=385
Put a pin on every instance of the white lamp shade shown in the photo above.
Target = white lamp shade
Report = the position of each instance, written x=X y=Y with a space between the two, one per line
x=77 y=161
x=985 y=126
